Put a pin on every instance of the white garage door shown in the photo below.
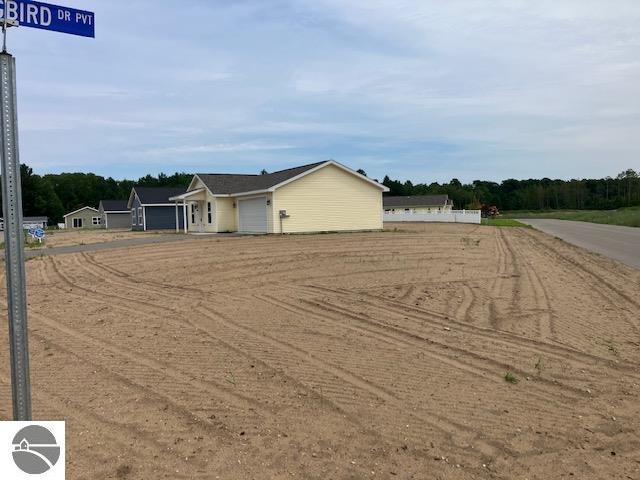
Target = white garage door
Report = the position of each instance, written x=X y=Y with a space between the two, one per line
x=253 y=215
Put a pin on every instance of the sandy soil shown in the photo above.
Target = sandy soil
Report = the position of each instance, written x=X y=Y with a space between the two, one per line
x=65 y=238
x=353 y=356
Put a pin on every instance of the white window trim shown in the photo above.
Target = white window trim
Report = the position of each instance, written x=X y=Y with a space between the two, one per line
x=133 y=216
x=140 y=216
x=96 y=221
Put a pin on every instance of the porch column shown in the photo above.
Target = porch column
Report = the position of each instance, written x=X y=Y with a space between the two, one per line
x=177 y=219
x=184 y=214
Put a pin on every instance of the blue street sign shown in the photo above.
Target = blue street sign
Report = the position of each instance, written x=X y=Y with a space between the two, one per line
x=29 y=13
x=39 y=233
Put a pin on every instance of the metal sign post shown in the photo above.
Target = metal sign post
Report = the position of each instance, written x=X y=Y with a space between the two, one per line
x=28 y=13
x=14 y=241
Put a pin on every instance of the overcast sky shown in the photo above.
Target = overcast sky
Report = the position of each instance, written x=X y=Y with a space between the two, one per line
x=426 y=90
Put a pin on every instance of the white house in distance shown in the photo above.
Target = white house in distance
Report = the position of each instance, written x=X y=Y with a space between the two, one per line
x=418 y=204
x=319 y=197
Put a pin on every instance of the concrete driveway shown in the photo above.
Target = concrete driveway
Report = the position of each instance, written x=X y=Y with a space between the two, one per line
x=619 y=243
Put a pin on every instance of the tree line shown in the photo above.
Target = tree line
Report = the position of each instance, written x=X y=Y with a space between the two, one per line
x=534 y=194
x=53 y=195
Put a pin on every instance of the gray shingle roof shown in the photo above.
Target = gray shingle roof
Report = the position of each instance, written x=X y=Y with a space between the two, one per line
x=416 y=201
x=114 y=205
x=222 y=183
x=156 y=195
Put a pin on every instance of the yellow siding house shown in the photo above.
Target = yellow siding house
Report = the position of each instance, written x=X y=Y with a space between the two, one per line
x=319 y=197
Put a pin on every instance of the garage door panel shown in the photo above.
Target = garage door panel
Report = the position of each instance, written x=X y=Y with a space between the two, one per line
x=253 y=215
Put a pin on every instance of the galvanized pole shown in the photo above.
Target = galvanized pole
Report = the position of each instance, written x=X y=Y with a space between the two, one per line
x=14 y=241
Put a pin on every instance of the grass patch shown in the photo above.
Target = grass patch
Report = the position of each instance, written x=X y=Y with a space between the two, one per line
x=628 y=217
x=503 y=222
x=511 y=378
x=539 y=366
x=611 y=346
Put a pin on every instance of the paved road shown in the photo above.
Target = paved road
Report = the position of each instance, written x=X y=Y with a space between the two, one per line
x=94 y=247
x=619 y=243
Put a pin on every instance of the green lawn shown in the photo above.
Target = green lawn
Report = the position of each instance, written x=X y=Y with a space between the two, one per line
x=503 y=222
x=629 y=217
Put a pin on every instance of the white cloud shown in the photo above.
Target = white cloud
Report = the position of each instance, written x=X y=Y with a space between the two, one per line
x=215 y=148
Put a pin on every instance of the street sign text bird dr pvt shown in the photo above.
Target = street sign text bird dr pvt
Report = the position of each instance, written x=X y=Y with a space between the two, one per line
x=28 y=13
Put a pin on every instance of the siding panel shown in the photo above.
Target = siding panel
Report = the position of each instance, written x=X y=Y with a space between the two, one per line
x=329 y=199
x=225 y=215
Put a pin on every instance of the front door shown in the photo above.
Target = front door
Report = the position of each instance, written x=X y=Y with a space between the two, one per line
x=196 y=216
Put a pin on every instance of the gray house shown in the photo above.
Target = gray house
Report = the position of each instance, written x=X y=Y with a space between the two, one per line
x=114 y=214
x=85 y=217
x=151 y=209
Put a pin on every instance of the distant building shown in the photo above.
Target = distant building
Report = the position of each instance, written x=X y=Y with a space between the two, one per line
x=150 y=208
x=114 y=214
x=30 y=222
x=418 y=204
x=83 y=218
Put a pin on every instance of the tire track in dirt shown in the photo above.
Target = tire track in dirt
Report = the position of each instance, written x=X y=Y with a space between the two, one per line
x=408 y=338
x=256 y=360
x=403 y=338
x=468 y=301
x=545 y=397
x=345 y=376
x=57 y=408
x=121 y=432
x=544 y=314
x=536 y=347
x=457 y=431
x=499 y=286
x=162 y=371
x=596 y=279
x=197 y=328
x=335 y=371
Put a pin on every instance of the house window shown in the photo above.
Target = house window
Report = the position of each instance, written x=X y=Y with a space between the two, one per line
x=209 y=213
x=139 y=215
x=77 y=223
x=96 y=220
x=194 y=207
x=133 y=216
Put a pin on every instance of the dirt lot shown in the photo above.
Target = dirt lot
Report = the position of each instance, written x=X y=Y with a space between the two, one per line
x=340 y=357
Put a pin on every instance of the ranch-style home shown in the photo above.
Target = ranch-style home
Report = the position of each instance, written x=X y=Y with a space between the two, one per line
x=418 y=204
x=151 y=209
x=85 y=217
x=114 y=214
x=320 y=197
